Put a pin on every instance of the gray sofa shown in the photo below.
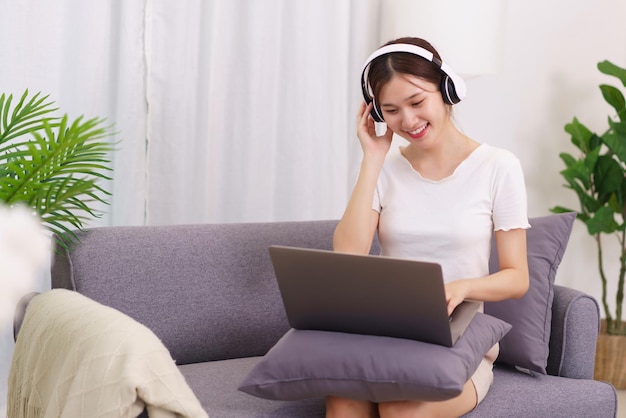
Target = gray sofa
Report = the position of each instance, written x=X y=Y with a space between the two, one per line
x=209 y=293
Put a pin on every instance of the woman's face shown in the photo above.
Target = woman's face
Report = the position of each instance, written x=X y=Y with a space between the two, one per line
x=414 y=109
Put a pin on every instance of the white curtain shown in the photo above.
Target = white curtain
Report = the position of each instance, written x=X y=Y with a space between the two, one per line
x=225 y=110
x=88 y=56
x=249 y=108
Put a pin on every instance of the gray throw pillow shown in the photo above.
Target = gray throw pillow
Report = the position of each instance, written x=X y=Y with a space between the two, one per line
x=527 y=345
x=312 y=364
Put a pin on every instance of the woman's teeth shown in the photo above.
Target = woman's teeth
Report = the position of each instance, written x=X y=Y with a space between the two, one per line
x=418 y=130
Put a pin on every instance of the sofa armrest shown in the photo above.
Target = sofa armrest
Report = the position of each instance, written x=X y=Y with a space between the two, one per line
x=575 y=329
x=20 y=311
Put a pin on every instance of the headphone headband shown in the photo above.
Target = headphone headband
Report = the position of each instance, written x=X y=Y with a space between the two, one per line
x=453 y=88
x=388 y=49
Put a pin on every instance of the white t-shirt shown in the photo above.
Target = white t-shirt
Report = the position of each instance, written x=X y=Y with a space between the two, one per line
x=450 y=221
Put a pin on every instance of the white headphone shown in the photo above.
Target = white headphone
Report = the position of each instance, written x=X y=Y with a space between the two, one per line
x=452 y=87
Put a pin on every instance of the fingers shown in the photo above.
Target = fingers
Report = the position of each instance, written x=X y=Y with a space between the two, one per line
x=363 y=116
x=454 y=295
x=365 y=123
x=452 y=305
x=371 y=143
x=365 y=120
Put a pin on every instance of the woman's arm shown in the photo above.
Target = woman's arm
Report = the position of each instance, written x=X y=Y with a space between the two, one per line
x=511 y=281
x=355 y=231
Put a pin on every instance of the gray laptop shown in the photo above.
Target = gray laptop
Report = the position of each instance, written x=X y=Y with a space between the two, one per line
x=367 y=294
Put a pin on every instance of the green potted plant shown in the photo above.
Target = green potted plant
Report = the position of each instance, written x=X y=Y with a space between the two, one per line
x=51 y=164
x=597 y=174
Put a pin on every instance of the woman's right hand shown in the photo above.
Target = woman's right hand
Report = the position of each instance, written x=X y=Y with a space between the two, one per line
x=366 y=131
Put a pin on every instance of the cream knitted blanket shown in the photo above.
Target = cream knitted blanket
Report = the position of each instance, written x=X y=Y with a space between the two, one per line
x=75 y=357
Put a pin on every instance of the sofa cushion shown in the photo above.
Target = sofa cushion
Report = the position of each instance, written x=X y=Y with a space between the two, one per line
x=215 y=385
x=527 y=344
x=519 y=395
x=309 y=364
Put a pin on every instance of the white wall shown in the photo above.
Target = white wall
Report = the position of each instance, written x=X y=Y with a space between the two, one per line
x=549 y=75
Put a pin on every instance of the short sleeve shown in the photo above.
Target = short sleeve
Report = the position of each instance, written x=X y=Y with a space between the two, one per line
x=510 y=209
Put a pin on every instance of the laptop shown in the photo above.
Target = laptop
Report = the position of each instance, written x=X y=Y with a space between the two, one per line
x=367 y=294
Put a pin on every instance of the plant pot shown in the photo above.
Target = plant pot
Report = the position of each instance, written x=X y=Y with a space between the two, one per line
x=610 y=363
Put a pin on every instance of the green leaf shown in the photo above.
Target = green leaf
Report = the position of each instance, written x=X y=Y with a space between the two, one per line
x=579 y=215
x=621 y=201
x=595 y=142
x=583 y=217
x=608 y=68
x=581 y=135
x=614 y=97
x=588 y=203
x=567 y=159
x=602 y=221
x=57 y=170
x=616 y=143
x=26 y=117
x=591 y=160
x=616 y=202
x=608 y=175
x=619 y=127
x=561 y=209
x=578 y=171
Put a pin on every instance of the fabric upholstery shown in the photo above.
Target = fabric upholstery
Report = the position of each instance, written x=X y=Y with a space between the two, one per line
x=167 y=278
x=526 y=346
x=159 y=277
x=513 y=394
x=572 y=354
x=519 y=395
x=220 y=398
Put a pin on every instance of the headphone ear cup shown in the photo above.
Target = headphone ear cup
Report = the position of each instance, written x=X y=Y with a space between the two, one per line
x=448 y=91
x=376 y=113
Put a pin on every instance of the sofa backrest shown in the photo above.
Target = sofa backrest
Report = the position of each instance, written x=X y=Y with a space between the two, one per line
x=208 y=291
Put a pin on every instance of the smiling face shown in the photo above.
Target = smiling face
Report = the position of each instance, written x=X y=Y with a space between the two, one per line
x=413 y=108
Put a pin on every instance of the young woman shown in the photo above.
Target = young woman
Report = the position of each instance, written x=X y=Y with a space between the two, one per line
x=440 y=197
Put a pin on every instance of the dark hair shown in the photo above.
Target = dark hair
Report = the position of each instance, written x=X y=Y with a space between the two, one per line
x=383 y=68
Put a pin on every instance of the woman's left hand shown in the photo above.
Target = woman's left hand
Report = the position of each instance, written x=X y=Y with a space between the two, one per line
x=456 y=292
